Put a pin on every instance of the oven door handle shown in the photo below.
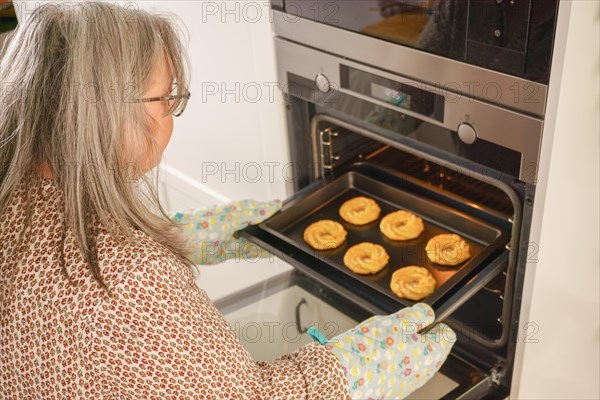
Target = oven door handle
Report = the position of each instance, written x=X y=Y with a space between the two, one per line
x=299 y=327
x=456 y=298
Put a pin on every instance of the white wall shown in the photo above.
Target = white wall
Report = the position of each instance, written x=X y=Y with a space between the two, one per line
x=559 y=354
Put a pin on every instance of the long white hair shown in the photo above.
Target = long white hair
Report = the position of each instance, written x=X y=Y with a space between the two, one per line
x=67 y=75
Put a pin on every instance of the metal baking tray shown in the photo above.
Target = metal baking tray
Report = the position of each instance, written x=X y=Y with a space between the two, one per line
x=324 y=202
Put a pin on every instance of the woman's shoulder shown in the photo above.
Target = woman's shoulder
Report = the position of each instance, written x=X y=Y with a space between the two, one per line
x=140 y=255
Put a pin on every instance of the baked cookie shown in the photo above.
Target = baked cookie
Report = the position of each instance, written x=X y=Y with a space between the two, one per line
x=412 y=283
x=401 y=225
x=366 y=258
x=448 y=249
x=325 y=234
x=360 y=210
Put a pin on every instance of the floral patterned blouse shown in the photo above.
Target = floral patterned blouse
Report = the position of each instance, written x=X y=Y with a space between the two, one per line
x=158 y=336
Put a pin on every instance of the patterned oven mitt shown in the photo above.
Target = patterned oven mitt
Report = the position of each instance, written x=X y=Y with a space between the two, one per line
x=385 y=357
x=211 y=231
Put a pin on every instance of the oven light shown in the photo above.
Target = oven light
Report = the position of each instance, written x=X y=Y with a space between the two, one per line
x=474 y=205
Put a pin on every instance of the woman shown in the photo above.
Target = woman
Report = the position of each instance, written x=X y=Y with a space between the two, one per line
x=98 y=299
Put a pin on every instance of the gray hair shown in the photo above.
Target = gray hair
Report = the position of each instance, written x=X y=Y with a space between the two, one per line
x=67 y=75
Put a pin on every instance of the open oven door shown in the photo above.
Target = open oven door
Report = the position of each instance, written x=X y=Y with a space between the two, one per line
x=271 y=318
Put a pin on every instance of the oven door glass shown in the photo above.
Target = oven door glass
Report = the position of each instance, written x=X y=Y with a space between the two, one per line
x=271 y=318
x=411 y=23
x=509 y=36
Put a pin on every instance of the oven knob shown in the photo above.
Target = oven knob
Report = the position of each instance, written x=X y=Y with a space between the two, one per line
x=467 y=133
x=323 y=83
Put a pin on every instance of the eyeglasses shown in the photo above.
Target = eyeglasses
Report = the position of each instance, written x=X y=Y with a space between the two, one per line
x=184 y=100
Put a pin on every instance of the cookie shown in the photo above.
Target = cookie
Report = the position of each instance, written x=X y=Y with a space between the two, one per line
x=366 y=258
x=448 y=249
x=360 y=210
x=401 y=225
x=325 y=234
x=412 y=283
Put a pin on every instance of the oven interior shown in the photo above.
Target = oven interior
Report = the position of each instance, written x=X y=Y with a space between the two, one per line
x=339 y=150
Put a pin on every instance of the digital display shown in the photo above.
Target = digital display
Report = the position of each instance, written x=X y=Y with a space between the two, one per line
x=403 y=95
x=390 y=95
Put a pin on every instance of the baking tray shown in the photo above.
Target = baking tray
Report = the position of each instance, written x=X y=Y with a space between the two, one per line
x=324 y=202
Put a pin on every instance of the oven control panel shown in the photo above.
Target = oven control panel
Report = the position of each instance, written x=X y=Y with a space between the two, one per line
x=406 y=95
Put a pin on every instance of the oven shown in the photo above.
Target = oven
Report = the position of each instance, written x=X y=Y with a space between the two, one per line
x=429 y=130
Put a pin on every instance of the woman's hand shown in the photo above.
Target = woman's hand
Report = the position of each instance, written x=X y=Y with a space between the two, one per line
x=211 y=231
x=385 y=357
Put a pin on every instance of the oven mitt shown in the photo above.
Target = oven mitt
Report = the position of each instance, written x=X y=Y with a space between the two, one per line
x=385 y=358
x=212 y=231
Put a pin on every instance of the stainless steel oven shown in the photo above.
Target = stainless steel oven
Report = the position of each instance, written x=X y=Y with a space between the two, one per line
x=451 y=135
